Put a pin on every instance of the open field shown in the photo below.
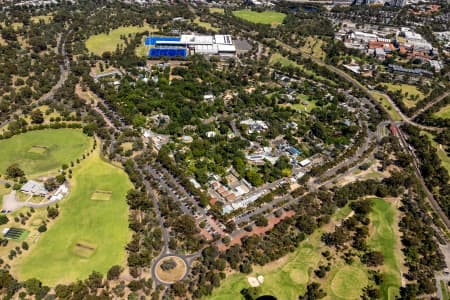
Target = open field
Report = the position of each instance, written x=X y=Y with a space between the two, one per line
x=443 y=113
x=88 y=235
x=384 y=238
x=205 y=25
x=383 y=100
x=216 y=10
x=267 y=17
x=100 y=43
x=443 y=156
x=62 y=146
x=411 y=94
x=313 y=47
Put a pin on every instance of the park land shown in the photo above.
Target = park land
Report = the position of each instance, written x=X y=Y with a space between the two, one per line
x=89 y=235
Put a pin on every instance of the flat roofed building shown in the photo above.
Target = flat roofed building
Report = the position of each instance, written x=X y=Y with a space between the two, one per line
x=192 y=39
x=220 y=44
x=305 y=162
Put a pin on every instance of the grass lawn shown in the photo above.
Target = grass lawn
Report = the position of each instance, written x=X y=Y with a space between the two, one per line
x=285 y=278
x=384 y=238
x=45 y=18
x=142 y=50
x=411 y=94
x=444 y=290
x=267 y=17
x=100 y=43
x=383 y=100
x=313 y=47
x=88 y=235
x=444 y=157
x=286 y=62
x=63 y=146
x=443 y=113
x=3 y=191
x=301 y=107
x=47 y=117
x=346 y=281
x=205 y=25
x=217 y=10
x=127 y=146
x=15 y=25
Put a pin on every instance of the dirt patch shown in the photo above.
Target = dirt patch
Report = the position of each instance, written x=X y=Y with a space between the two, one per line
x=174 y=274
x=101 y=195
x=38 y=149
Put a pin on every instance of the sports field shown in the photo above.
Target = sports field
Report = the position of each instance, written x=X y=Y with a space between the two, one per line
x=41 y=151
x=267 y=17
x=100 y=43
x=443 y=113
x=88 y=235
x=411 y=94
x=384 y=238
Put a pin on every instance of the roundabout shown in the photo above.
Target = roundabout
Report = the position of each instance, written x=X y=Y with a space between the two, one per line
x=170 y=269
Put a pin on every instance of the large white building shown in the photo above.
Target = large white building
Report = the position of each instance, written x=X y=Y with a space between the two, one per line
x=218 y=44
x=414 y=40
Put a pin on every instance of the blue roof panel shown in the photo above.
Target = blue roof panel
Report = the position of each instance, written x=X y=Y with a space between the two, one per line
x=167 y=52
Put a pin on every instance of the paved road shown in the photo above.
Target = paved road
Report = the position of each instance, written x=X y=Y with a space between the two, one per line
x=358 y=85
x=107 y=120
x=430 y=104
x=402 y=139
x=408 y=120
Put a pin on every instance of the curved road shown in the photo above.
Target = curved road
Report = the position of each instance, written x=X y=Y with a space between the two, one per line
x=435 y=205
x=430 y=104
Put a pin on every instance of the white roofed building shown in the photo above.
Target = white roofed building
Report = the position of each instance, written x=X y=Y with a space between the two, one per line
x=219 y=44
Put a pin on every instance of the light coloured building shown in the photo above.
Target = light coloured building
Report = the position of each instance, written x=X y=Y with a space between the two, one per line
x=34 y=188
